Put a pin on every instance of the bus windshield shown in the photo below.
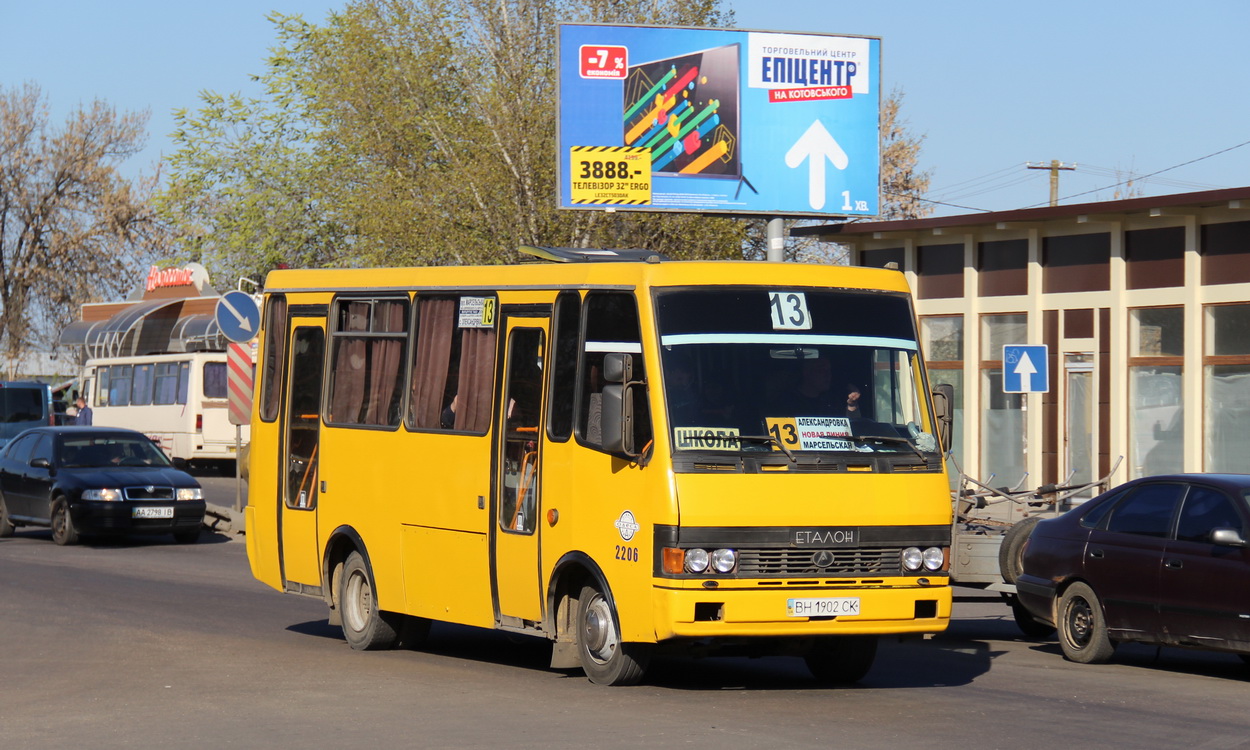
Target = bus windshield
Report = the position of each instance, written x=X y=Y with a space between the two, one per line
x=796 y=371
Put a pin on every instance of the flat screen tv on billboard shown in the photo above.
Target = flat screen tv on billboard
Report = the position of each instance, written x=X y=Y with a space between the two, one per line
x=718 y=121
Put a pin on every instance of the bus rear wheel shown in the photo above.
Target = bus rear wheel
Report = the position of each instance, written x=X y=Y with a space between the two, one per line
x=605 y=658
x=365 y=627
x=843 y=659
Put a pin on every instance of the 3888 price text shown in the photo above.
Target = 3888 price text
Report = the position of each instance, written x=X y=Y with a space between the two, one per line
x=606 y=170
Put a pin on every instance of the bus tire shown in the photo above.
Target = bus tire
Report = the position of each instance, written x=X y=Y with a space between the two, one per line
x=365 y=627
x=605 y=658
x=63 y=531
x=6 y=526
x=842 y=659
x=1011 y=552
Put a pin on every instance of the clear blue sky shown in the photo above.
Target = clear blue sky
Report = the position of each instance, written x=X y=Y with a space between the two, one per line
x=1131 y=87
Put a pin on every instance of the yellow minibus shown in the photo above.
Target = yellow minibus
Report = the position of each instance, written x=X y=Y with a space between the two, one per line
x=611 y=450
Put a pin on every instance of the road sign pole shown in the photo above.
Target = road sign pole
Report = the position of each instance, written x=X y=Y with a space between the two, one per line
x=238 y=468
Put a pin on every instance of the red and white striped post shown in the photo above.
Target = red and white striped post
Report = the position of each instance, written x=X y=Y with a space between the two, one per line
x=239 y=376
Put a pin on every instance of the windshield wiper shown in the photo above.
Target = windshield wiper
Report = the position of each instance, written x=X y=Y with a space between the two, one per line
x=890 y=439
x=771 y=439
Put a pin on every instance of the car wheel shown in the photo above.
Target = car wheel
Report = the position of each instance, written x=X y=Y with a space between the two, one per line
x=63 y=531
x=1024 y=620
x=6 y=526
x=365 y=627
x=843 y=659
x=605 y=658
x=1011 y=552
x=1083 y=626
x=187 y=537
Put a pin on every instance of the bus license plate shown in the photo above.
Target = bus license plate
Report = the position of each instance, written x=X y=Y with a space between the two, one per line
x=826 y=607
x=162 y=512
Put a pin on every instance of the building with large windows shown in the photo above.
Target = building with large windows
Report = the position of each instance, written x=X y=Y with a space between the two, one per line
x=1144 y=305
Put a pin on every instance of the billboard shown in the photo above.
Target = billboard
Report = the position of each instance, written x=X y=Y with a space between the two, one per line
x=718 y=121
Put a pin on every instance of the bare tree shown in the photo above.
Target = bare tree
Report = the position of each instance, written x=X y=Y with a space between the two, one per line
x=903 y=185
x=72 y=229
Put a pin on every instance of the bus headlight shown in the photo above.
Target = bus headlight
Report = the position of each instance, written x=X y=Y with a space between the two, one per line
x=107 y=495
x=934 y=558
x=913 y=558
x=724 y=560
x=696 y=560
x=190 y=493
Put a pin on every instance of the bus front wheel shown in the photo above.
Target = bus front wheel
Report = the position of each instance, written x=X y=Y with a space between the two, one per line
x=605 y=658
x=365 y=627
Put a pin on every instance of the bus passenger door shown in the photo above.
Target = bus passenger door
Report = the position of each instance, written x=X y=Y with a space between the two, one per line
x=301 y=561
x=516 y=573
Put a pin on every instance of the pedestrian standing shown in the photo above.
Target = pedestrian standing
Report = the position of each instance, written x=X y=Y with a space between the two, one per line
x=84 y=412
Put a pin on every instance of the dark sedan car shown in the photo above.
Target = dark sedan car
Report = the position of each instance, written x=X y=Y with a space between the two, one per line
x=96 y=480
x=1157 y=560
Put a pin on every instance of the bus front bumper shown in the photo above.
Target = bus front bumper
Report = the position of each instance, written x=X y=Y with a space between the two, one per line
x=765 y=610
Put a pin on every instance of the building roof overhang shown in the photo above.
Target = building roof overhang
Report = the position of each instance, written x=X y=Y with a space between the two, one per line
x=1236 y=199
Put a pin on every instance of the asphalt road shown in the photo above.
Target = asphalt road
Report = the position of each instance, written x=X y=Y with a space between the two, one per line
x=146 y=643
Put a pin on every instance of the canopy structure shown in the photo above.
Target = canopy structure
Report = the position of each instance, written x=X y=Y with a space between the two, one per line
x=150 y=327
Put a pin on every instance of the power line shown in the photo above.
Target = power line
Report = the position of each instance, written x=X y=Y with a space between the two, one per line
x=1152 y=174
x=939 y=203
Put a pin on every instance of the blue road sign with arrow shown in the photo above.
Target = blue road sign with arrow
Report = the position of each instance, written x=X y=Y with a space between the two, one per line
x=1025 y=369
x=238 y=316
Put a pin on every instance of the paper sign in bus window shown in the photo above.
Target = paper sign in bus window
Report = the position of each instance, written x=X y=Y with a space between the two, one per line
x=706 y=438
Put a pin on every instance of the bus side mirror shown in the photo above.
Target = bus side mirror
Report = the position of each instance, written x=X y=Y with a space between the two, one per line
x=618 y=368
x=944 y=411
x=618 y=404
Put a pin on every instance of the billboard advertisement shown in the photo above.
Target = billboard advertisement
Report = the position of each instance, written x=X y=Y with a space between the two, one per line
x=718 y=121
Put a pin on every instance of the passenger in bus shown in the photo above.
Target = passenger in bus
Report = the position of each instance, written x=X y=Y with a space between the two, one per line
x=815 y=395
x=84 y=412
x=852 y=401
x=448 y=419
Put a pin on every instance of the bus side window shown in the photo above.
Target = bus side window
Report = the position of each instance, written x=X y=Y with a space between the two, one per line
x=274 y=369
x=119 y=385
x=453 y=365
x=610 y=325
x=563 y=365
x=102 y=387
x=368 y=340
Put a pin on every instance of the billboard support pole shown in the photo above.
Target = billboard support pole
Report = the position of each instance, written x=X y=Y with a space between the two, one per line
x=776 y=234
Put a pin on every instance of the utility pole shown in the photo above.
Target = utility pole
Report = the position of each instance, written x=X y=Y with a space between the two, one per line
x=1054 y=167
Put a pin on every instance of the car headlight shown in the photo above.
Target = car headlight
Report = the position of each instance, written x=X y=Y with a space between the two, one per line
x=190 y=493
x=934 y=558
x=913 y=558
x=696 y=560
x=724 y=560
x=107 y=495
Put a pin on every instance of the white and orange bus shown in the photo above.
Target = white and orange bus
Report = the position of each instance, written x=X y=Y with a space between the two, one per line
x=617 y=453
